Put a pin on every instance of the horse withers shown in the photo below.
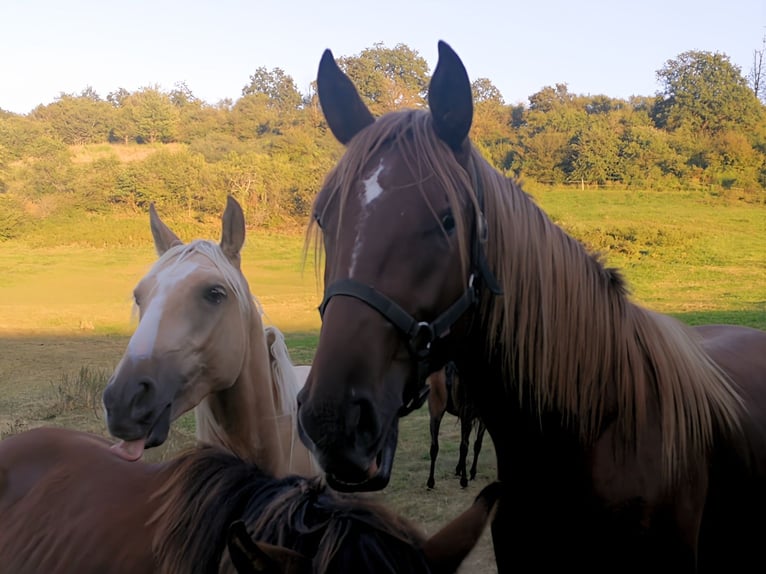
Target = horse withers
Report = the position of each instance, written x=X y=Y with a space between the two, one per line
x=627 y=440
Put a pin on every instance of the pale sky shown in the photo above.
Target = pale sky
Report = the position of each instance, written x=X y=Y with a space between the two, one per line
x=608 y=47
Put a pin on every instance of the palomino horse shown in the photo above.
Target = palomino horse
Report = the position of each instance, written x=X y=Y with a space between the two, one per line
x=444 y=397
x=70 y=504
x=627 y=441
x=200 y=343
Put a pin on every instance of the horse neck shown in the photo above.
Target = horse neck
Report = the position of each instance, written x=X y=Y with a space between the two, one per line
x=243 y=418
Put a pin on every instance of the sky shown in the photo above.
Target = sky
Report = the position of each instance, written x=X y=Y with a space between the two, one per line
x=608 y=47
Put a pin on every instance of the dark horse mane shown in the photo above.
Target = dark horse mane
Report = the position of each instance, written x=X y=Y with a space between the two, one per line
x=635 y=359
x=206 y=489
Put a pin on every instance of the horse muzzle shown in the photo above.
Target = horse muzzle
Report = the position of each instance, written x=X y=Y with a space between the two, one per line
x=136 y=411
x=357 y=456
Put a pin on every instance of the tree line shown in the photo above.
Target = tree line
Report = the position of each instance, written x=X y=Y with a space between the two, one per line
x=705 y=128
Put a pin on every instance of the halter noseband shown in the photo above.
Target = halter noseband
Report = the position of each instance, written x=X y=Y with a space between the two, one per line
x=420 y=335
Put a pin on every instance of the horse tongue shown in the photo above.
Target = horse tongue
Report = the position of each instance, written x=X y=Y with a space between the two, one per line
x=130 y=450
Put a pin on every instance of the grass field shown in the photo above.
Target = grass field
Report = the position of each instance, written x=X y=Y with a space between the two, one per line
x=65 y=310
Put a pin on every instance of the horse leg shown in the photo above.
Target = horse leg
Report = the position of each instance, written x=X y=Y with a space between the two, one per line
x=465 y=435
x=477 y=447
x=436 y=419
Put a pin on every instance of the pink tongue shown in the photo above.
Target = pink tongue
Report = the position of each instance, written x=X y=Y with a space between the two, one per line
x=129 y=450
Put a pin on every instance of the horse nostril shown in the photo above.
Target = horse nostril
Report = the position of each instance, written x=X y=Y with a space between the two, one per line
x=364 y=421
x=143 y=400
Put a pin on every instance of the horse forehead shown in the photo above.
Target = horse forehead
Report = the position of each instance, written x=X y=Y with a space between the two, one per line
x=178 y=271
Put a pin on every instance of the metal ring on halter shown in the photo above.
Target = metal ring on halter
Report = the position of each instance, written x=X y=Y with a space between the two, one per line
x=420 y=345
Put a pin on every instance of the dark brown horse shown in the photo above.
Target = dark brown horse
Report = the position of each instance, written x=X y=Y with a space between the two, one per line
x=627 y=440
x=70 y=504
x=444 y=397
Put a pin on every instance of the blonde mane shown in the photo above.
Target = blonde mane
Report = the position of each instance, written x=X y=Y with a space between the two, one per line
x=565 y=331
x=286 y=384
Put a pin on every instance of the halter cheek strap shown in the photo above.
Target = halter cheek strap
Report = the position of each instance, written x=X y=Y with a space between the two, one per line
x=419 y=335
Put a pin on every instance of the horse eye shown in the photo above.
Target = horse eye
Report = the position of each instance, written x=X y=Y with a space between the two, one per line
x=136 y=300
x=448 y=222
x=215 y=295
x=318 y=220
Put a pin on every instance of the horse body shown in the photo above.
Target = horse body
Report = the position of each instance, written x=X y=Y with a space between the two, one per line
x=53 y=520
x=70 y=505
x=200 y=342
x=443 y=397
x=628 y=440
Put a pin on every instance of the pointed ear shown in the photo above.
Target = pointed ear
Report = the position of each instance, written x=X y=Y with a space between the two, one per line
x=250 y=557
x=233 y=231
x=343 y=109
x=447 y=549
x=450 y=99
x=164 y=238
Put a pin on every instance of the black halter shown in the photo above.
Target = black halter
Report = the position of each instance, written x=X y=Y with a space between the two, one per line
x=420 y=335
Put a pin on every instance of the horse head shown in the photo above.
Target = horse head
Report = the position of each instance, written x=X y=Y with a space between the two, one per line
x=194 y=309
x=403 y=261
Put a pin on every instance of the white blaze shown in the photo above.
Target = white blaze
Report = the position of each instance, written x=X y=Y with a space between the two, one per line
x=372 y=191
x=142 y=342
x=372 y=188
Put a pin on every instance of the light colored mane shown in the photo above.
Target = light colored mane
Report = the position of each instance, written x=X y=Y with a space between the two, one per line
x=565 y=332
x=286 y=384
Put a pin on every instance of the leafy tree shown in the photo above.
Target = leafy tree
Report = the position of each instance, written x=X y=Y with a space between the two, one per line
x=153 y=115
x=118 y=97
x=22 y=137
x=252 y=116
x=77 y=120
x=388 y=78
x=277 y=86
x=595 y=153
x=181 y=96
x=490 y=122
x=551 y=123
x=704 y=91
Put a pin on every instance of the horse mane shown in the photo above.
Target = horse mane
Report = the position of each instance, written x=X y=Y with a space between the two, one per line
x=206 y=489
x=557 y=296
x=283 y=376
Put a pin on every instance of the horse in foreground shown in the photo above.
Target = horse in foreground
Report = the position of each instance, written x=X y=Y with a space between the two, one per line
x=70 y=505
x=444 y=397
x=627 y=440
x=200 y=342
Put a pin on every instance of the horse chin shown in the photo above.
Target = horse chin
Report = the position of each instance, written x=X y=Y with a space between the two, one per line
x=379 y=470
x=158 y=434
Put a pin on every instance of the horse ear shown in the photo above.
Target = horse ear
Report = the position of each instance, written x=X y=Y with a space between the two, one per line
x=233 y=231
x=450 y=99
x=164 y=238
x=447 y=549
x=250 y=557
x=343 y=109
